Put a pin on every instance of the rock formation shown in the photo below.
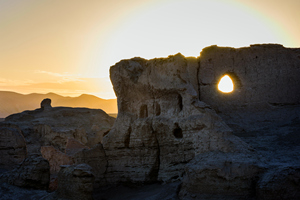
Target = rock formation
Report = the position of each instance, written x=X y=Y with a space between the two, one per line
x=49 y=126
x=171 y=113
x=267 y=85
x=174 y=126
x=161 y=123
x=46 y=104
x=12 y=147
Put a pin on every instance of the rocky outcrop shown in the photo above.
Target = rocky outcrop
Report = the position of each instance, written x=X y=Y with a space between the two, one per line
x=33 y=172
x=161 y=123
x=74 y=183
x=12 y=147
x=52 y=126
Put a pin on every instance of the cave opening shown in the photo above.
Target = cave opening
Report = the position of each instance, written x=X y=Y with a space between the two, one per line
x=177 y=132
x=144 y=111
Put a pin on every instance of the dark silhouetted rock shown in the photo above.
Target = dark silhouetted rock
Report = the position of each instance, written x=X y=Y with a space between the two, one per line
x=12 y=147
x=46 y=104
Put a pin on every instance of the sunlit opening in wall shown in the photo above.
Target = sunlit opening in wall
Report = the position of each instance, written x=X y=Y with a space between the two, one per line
x=226 y=85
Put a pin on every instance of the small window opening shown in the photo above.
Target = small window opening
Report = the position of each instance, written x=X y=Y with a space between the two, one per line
x=225 y=84
x=180 y=102
x=143 y=111
x=157 y=109
x=177 y=131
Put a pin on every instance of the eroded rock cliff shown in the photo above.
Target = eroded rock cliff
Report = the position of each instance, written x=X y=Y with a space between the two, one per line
x=161 y=123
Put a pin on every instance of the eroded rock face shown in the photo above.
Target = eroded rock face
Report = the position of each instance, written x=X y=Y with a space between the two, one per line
x=266 y=80
x=56 y=158
x=161 y=123
x=12 y=147
x=54 y=126
x=75 y=183
x=96 y=158
x=233 y=175
x=33 y=172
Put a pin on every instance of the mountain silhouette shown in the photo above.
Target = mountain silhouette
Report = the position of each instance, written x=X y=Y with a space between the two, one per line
x=12 y=102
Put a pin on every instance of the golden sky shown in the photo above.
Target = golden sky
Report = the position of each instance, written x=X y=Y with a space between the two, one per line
x=67 y=46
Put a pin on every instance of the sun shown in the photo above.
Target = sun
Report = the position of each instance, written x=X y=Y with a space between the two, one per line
x=225 y=84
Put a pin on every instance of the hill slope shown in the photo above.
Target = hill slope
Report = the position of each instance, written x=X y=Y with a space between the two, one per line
x=11 y=102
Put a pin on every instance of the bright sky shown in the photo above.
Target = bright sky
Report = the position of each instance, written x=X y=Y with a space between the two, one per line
x=67 y=46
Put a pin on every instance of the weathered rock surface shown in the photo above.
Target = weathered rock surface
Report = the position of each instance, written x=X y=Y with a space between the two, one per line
x=266 y=80
x=53 y=126
x=280 y=183
x=96 y=158
x=232 y=175
x=56 y=158
x=161 y=123
x=12 y=147
x=74 y=183
x=73 y=146
x=33 y=172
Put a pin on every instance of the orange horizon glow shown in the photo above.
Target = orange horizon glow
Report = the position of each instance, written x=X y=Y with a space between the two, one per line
x=66 y=47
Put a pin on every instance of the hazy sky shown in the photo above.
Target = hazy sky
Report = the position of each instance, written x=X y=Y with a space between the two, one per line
x=67 y=46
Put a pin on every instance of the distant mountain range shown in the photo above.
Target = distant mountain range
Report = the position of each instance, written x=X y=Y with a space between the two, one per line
x=12 y=102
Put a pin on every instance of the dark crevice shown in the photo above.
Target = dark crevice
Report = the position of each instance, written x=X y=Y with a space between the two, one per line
x=180 y=102
x=127 y=137
x=144 y=111
x=198 y=81
x=157 y=109
x=283 y=104
x=154 y=171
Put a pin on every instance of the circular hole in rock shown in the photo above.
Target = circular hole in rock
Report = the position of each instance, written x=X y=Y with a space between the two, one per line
x=225 y=84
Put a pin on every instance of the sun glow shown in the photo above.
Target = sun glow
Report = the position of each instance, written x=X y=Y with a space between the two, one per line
x=226 y=84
